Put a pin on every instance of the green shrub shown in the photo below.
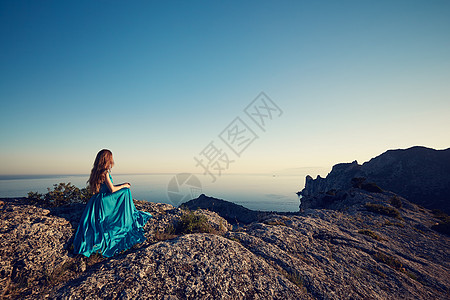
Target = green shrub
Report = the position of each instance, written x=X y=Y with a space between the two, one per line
x=189 y=223
x=193 y=223
x=35 y=198
x=62 y=193
x=360 y=183
x=357 y=182
x=383 y=210
x=396 y=201
x=371 y=187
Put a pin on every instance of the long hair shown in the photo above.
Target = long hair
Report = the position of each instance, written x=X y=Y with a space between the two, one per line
x=103 y=162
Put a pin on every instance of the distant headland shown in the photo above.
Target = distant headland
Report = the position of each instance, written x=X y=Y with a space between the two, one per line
x=420 y=174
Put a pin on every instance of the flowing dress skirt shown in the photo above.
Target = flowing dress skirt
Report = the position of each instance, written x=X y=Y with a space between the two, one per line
x=110 y=224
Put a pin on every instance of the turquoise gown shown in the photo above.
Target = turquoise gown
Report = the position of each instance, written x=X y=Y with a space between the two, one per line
x=110 y=223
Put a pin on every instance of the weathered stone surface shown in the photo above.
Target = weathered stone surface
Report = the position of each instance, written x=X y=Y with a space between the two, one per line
x=346 y=252
x=335 y=260
x=421 y=175
x=191 y=266
x=165 y=216
x=33 y=243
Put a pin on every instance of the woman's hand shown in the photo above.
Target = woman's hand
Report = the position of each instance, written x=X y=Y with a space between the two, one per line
x=115 y=188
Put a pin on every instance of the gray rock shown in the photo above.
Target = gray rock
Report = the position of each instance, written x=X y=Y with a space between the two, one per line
x=33 y=244
x=343 y=253
x=191 y=266
x=419 y=174
x=334 y=256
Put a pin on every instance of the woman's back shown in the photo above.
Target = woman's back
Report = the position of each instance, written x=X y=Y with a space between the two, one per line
x=104 y=187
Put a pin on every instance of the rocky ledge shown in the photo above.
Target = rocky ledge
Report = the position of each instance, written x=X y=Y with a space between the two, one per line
x=352 y=252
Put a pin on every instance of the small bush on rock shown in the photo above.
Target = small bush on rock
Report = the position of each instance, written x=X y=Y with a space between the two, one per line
x=383 y=210
x=370 y=233
x=357 y=182
x=360 y=183
x=388 y=260
x=193 y=223
x=389 y=223
x=371 y=187
x=35 y=198
x=396 y=201
x=62 y=193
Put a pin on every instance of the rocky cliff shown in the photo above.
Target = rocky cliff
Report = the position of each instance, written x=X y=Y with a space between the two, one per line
x=351 y=252
x=421 y=175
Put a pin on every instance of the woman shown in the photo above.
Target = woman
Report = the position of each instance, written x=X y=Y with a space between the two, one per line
x=110 y=222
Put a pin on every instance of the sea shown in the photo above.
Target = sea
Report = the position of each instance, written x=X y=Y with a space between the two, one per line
x=265 y=192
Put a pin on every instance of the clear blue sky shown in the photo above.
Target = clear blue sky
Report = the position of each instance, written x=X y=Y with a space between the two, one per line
x=156 y=82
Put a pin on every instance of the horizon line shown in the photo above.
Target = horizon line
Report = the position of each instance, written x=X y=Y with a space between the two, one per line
x=21 y=176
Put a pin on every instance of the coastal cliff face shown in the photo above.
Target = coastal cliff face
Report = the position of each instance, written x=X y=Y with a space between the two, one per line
x=419 y=174
x=347 y=252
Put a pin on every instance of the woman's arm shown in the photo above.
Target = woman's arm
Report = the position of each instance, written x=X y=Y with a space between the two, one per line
x=114 y=188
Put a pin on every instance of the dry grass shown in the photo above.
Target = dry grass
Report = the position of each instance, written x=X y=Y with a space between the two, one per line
x=370 y=233
x=167 y=234
x=383 y=210
x=389 y=223
x=388 y=260
x=275 y=222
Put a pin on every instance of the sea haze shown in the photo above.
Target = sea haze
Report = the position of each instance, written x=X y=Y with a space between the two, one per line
x=254 y=191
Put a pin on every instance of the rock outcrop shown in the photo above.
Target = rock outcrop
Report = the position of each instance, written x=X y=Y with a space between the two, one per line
x=192 y=266
x=348 y=252
x=233 y=213
x=421 y=175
